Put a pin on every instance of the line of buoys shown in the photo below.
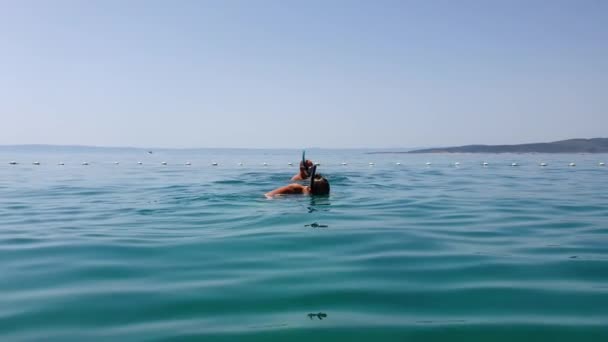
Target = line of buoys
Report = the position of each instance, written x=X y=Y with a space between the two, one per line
x=456 y=164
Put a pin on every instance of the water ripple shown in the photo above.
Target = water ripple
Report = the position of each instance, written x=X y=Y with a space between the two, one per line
x=405 y=252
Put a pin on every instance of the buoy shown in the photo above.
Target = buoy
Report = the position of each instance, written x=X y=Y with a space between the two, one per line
x=164 y=163
x=214 y=164
x=514 y=164
x=188 y=163
x=571 y=164
x=85 y=163
x=139 y=163
x=543 y=164
x=13 y=162
x=36 y=163
x=602 y=164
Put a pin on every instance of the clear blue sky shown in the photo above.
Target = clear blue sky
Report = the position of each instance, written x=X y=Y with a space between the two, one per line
x=302 y=73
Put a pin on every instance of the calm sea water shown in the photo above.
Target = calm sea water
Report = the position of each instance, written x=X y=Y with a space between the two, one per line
x=409 y=252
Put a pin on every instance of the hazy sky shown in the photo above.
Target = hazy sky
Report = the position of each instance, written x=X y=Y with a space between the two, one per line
x=302 y=73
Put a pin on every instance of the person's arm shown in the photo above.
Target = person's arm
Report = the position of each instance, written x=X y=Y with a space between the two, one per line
x=302 y=175
x=287 y=189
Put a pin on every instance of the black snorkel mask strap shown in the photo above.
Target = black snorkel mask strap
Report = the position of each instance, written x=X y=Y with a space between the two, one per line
x=312 y=178
x=304 y=165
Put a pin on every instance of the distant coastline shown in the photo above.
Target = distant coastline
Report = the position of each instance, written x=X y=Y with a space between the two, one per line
x=595 y=145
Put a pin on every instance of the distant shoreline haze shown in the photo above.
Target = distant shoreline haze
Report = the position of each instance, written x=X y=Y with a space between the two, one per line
x=594 y=145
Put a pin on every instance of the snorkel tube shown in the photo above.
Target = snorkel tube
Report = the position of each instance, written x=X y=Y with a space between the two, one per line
x=304 y=165
x=312 y=178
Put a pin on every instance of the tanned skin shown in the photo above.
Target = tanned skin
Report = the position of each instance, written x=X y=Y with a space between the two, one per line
x=302 y=174
x=295 y=188
x=291 y=189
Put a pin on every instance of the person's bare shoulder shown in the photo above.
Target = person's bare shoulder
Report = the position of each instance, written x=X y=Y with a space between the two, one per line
x=286 y=190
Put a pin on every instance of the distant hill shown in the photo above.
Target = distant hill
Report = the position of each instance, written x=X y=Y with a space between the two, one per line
x=595 y=145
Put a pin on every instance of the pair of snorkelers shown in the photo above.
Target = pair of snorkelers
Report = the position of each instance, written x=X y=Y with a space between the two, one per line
x=319 y=185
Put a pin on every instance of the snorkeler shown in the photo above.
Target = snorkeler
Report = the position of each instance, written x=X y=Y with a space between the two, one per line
x=305 y=167
x=319 y=185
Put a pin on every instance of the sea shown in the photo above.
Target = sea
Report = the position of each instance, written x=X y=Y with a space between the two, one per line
x=112 y=244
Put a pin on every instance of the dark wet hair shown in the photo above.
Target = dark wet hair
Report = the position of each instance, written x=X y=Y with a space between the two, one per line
x=320 y=186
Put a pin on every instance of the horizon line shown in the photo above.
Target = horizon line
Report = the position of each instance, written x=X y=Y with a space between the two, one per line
x=277 y=148
x=201 y=148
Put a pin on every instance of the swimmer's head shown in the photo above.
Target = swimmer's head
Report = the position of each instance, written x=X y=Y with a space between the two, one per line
x=319 y=186
x=305 y=166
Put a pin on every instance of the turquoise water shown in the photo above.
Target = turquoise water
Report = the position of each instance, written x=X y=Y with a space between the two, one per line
x=410 y=252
